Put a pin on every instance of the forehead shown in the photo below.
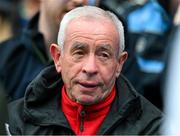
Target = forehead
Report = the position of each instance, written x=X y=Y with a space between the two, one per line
x=92 y=26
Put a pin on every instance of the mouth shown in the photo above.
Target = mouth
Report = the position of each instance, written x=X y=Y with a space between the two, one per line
x=89 y=85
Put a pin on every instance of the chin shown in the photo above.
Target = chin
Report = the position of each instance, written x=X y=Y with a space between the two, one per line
x=87 y=101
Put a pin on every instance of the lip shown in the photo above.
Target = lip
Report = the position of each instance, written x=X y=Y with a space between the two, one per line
x=89 y=85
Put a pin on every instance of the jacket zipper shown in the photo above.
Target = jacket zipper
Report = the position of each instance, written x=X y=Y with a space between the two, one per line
x=82 y=116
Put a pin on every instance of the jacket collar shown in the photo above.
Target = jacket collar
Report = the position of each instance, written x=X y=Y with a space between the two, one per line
x=42 y=97
x=127 y=102
x=42 y=101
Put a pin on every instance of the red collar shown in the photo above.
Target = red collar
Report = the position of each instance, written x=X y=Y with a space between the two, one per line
x=94 y=114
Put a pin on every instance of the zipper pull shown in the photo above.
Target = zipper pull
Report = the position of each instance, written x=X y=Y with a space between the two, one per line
x=82 y=116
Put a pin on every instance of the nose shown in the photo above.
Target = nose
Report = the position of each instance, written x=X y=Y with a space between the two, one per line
x=90 y=66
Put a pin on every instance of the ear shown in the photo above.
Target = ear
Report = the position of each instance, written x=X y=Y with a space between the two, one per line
x=56 y=55
x=123 y=57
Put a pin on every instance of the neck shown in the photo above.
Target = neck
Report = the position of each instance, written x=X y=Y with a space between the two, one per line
x=49 y=31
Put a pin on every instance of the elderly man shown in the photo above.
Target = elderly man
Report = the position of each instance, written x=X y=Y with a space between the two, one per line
x=84 y=93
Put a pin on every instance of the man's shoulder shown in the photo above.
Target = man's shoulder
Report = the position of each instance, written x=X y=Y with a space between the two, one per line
x=15 y=108
x=149 y=109
x=15 y=40
x=145 y=103
x=151 y=117
x=16 y=43
x=15 y=111
x=13 y=50
x=10 y=48
x=148 y=117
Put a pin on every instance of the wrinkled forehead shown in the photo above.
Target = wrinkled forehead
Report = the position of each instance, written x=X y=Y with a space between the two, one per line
x=93 y=30
x=92 y=18
x=92 y=24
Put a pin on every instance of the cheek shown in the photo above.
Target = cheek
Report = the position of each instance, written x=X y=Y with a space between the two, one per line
x=108 y=74
x=69 y=70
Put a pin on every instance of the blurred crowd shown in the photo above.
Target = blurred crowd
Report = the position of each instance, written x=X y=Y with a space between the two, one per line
x=150 y=28
x=14 y=15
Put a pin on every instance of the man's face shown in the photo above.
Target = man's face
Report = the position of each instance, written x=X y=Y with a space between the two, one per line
x=174 y=6
x=55 y=9
x=89 y=63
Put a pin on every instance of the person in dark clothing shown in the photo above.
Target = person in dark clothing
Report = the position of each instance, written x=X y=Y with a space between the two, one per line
x=83 y=93
x=10 y=20
x=148 y=27
x=26 y=54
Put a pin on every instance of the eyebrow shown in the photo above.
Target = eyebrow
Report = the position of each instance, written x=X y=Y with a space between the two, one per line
x=105 y=47
x=79 y=45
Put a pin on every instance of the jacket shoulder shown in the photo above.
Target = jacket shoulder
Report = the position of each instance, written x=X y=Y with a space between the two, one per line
x=142 y=116
x=16 y=116
x=12 y=42
x=152 y=117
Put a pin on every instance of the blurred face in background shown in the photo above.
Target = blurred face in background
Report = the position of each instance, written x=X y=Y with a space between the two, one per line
x=175 y=11
x=55 y=9
x=174 y=6
x=170 y=6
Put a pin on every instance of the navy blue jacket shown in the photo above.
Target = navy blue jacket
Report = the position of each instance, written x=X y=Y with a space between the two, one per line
x=22 y=58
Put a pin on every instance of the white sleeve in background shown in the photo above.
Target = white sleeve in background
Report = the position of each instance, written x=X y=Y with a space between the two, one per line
x=172 y=90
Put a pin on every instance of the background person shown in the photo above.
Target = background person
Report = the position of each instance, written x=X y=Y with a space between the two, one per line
x=9 y=19
x=26 y=54
x=145 y=43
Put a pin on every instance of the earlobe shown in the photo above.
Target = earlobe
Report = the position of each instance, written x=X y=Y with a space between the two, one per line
x=56 y=54
x=123 y=57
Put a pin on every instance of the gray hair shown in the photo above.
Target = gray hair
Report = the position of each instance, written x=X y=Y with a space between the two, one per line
x=91 y=11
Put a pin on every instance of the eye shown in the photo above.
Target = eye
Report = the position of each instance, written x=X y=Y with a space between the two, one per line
x=104 y=55
x=78 y=50
x=78 y=54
